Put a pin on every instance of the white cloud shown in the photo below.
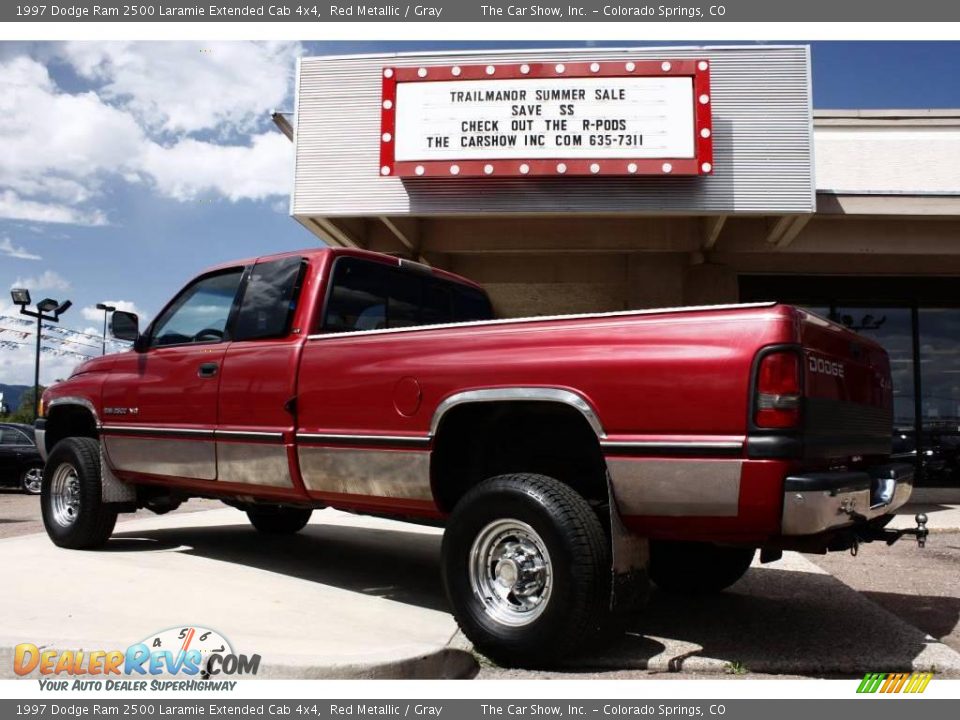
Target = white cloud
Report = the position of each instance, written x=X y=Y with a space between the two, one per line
x=49 y=136
x=47 y=280
x=56 y=146
x=188 y=87
x=238 y=172
x=14 y=207
x=18 y=252
x=60 y=148
x=91 y=313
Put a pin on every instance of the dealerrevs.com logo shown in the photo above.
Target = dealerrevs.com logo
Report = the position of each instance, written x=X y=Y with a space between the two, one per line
x=180 y=658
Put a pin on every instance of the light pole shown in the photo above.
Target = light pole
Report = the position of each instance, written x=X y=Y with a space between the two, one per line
x=21 y=297
x=106 y=309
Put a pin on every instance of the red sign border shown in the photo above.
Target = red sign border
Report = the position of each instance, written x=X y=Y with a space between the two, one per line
x=700 y=164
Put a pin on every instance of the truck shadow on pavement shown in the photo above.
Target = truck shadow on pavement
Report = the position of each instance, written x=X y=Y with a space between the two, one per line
x=396 y=565
x=772 y=621
x=781 y=622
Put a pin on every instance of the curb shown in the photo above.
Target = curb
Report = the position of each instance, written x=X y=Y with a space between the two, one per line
x=711 y=666
x=444 y=664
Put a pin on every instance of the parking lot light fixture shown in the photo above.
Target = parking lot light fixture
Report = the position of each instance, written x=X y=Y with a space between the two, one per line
x=107 y=309
x=47 y=309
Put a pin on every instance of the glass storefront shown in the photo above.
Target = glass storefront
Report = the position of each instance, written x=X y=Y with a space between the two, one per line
x=917 y=320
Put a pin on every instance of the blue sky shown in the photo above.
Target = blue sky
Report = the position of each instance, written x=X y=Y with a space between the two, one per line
x=127 y=168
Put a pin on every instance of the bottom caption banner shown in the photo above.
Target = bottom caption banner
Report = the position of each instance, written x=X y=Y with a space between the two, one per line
x=761 y=709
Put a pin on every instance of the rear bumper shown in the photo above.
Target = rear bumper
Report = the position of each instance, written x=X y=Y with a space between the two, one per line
x=817 y=502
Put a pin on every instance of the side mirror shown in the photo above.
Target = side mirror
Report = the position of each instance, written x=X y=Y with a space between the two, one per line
x=125 y=326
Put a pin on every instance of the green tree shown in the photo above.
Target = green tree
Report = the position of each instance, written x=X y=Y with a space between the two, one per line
x=24 y=413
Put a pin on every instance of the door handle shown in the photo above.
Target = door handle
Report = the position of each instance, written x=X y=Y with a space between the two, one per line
x=207 y=370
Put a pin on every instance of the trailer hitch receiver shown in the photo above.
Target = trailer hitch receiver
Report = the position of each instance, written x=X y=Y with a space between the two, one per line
x=920 y=532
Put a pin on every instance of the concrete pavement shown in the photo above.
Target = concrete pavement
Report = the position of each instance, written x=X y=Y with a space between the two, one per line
x=940 y=517
x=337 y=600
x=361 y=597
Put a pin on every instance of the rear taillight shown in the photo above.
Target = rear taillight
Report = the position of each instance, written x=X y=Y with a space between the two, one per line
x=778 y=390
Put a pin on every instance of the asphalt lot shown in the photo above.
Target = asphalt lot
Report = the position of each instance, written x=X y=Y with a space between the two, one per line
x=921 y=586
x=800 y=617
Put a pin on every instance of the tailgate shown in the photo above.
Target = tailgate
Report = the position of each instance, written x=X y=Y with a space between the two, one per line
x=848 y=405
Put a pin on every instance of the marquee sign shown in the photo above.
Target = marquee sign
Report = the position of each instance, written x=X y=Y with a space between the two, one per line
x=644 y=117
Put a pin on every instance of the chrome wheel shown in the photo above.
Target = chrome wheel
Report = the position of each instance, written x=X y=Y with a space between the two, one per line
x=65 y=495
x=510 y=572
x=32 y=480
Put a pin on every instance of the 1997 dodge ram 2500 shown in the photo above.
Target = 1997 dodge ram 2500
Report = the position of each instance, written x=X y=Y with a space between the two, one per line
x=570 y=459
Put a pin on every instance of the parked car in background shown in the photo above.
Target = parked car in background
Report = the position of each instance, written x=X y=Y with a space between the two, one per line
x=20 y=462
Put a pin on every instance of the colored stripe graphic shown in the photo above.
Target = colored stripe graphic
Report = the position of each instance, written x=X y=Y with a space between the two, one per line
x=894 y=683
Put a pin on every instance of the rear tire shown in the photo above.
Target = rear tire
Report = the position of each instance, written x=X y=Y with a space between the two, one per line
x=279 y=520
x=71 y=500
x=31 y=479
x=526 y=568
x=697 y=568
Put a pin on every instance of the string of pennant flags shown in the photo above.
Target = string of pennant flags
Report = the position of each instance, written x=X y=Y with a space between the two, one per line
x=48 y=326
x=58 y=338
x=65 y=342
x=46 y=349
x=7 y=344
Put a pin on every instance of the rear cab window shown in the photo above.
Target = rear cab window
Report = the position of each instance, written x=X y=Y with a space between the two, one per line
x=367 y=295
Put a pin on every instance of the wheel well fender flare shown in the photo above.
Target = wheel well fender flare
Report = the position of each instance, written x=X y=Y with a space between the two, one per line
x=520 y=394
x=75 y=406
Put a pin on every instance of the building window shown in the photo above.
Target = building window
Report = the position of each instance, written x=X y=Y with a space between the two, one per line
x=938 y=331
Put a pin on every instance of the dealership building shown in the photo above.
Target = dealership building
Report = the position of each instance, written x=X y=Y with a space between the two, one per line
x=602 y=180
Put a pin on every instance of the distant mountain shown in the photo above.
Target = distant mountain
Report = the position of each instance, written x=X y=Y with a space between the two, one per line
x=12 y=395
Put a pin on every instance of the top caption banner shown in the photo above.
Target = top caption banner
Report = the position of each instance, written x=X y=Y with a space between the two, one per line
x=493 y=11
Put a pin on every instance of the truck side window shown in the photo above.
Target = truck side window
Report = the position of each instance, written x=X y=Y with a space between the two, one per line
x=403 y=300
x=358 y=299
x=437 y=303
x=269 y=299
x=200 y=313
x=371 y=296
x=470 y=304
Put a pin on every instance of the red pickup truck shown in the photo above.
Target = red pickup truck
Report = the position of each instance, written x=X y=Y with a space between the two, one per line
x=570 y=459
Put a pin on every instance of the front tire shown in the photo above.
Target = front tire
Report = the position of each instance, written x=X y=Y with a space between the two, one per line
x=694 y=568
x=279 y=520
x=31 y=480
x=71 y=500
x=526 y=567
